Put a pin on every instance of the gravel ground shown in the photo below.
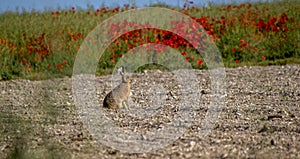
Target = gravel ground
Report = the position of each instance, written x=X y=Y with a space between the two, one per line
x=260 y=118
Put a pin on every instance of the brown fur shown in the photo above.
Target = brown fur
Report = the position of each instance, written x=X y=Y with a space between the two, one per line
x=118 y=97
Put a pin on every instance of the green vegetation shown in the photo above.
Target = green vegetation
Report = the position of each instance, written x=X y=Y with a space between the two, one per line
x=43 y=45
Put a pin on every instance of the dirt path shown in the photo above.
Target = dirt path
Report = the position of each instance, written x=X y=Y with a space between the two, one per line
x=260 y=118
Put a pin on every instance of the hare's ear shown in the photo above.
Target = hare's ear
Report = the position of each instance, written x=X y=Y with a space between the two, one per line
x=121 y=70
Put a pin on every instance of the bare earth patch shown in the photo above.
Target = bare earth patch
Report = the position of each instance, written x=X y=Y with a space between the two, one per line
x=260 y=118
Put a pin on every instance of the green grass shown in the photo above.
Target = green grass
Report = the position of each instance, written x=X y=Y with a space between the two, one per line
x=265 y=63
x=42 y=45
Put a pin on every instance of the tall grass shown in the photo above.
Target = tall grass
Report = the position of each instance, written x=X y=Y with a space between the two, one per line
x=40 y=45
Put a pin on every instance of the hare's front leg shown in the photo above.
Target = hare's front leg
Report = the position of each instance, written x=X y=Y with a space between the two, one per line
x=125 y=104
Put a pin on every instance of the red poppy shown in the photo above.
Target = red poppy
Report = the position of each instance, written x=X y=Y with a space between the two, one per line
x=184 y=53
x=243 y=44
x=228 y=8
x=233 y=49
x=199 y=62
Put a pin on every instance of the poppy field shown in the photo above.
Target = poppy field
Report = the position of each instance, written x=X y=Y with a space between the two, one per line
x=39 y=45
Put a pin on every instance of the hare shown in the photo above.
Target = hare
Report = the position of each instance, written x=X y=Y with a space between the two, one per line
x=118 y=97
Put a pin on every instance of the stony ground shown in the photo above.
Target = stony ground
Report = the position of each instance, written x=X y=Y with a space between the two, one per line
x=260 y=118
